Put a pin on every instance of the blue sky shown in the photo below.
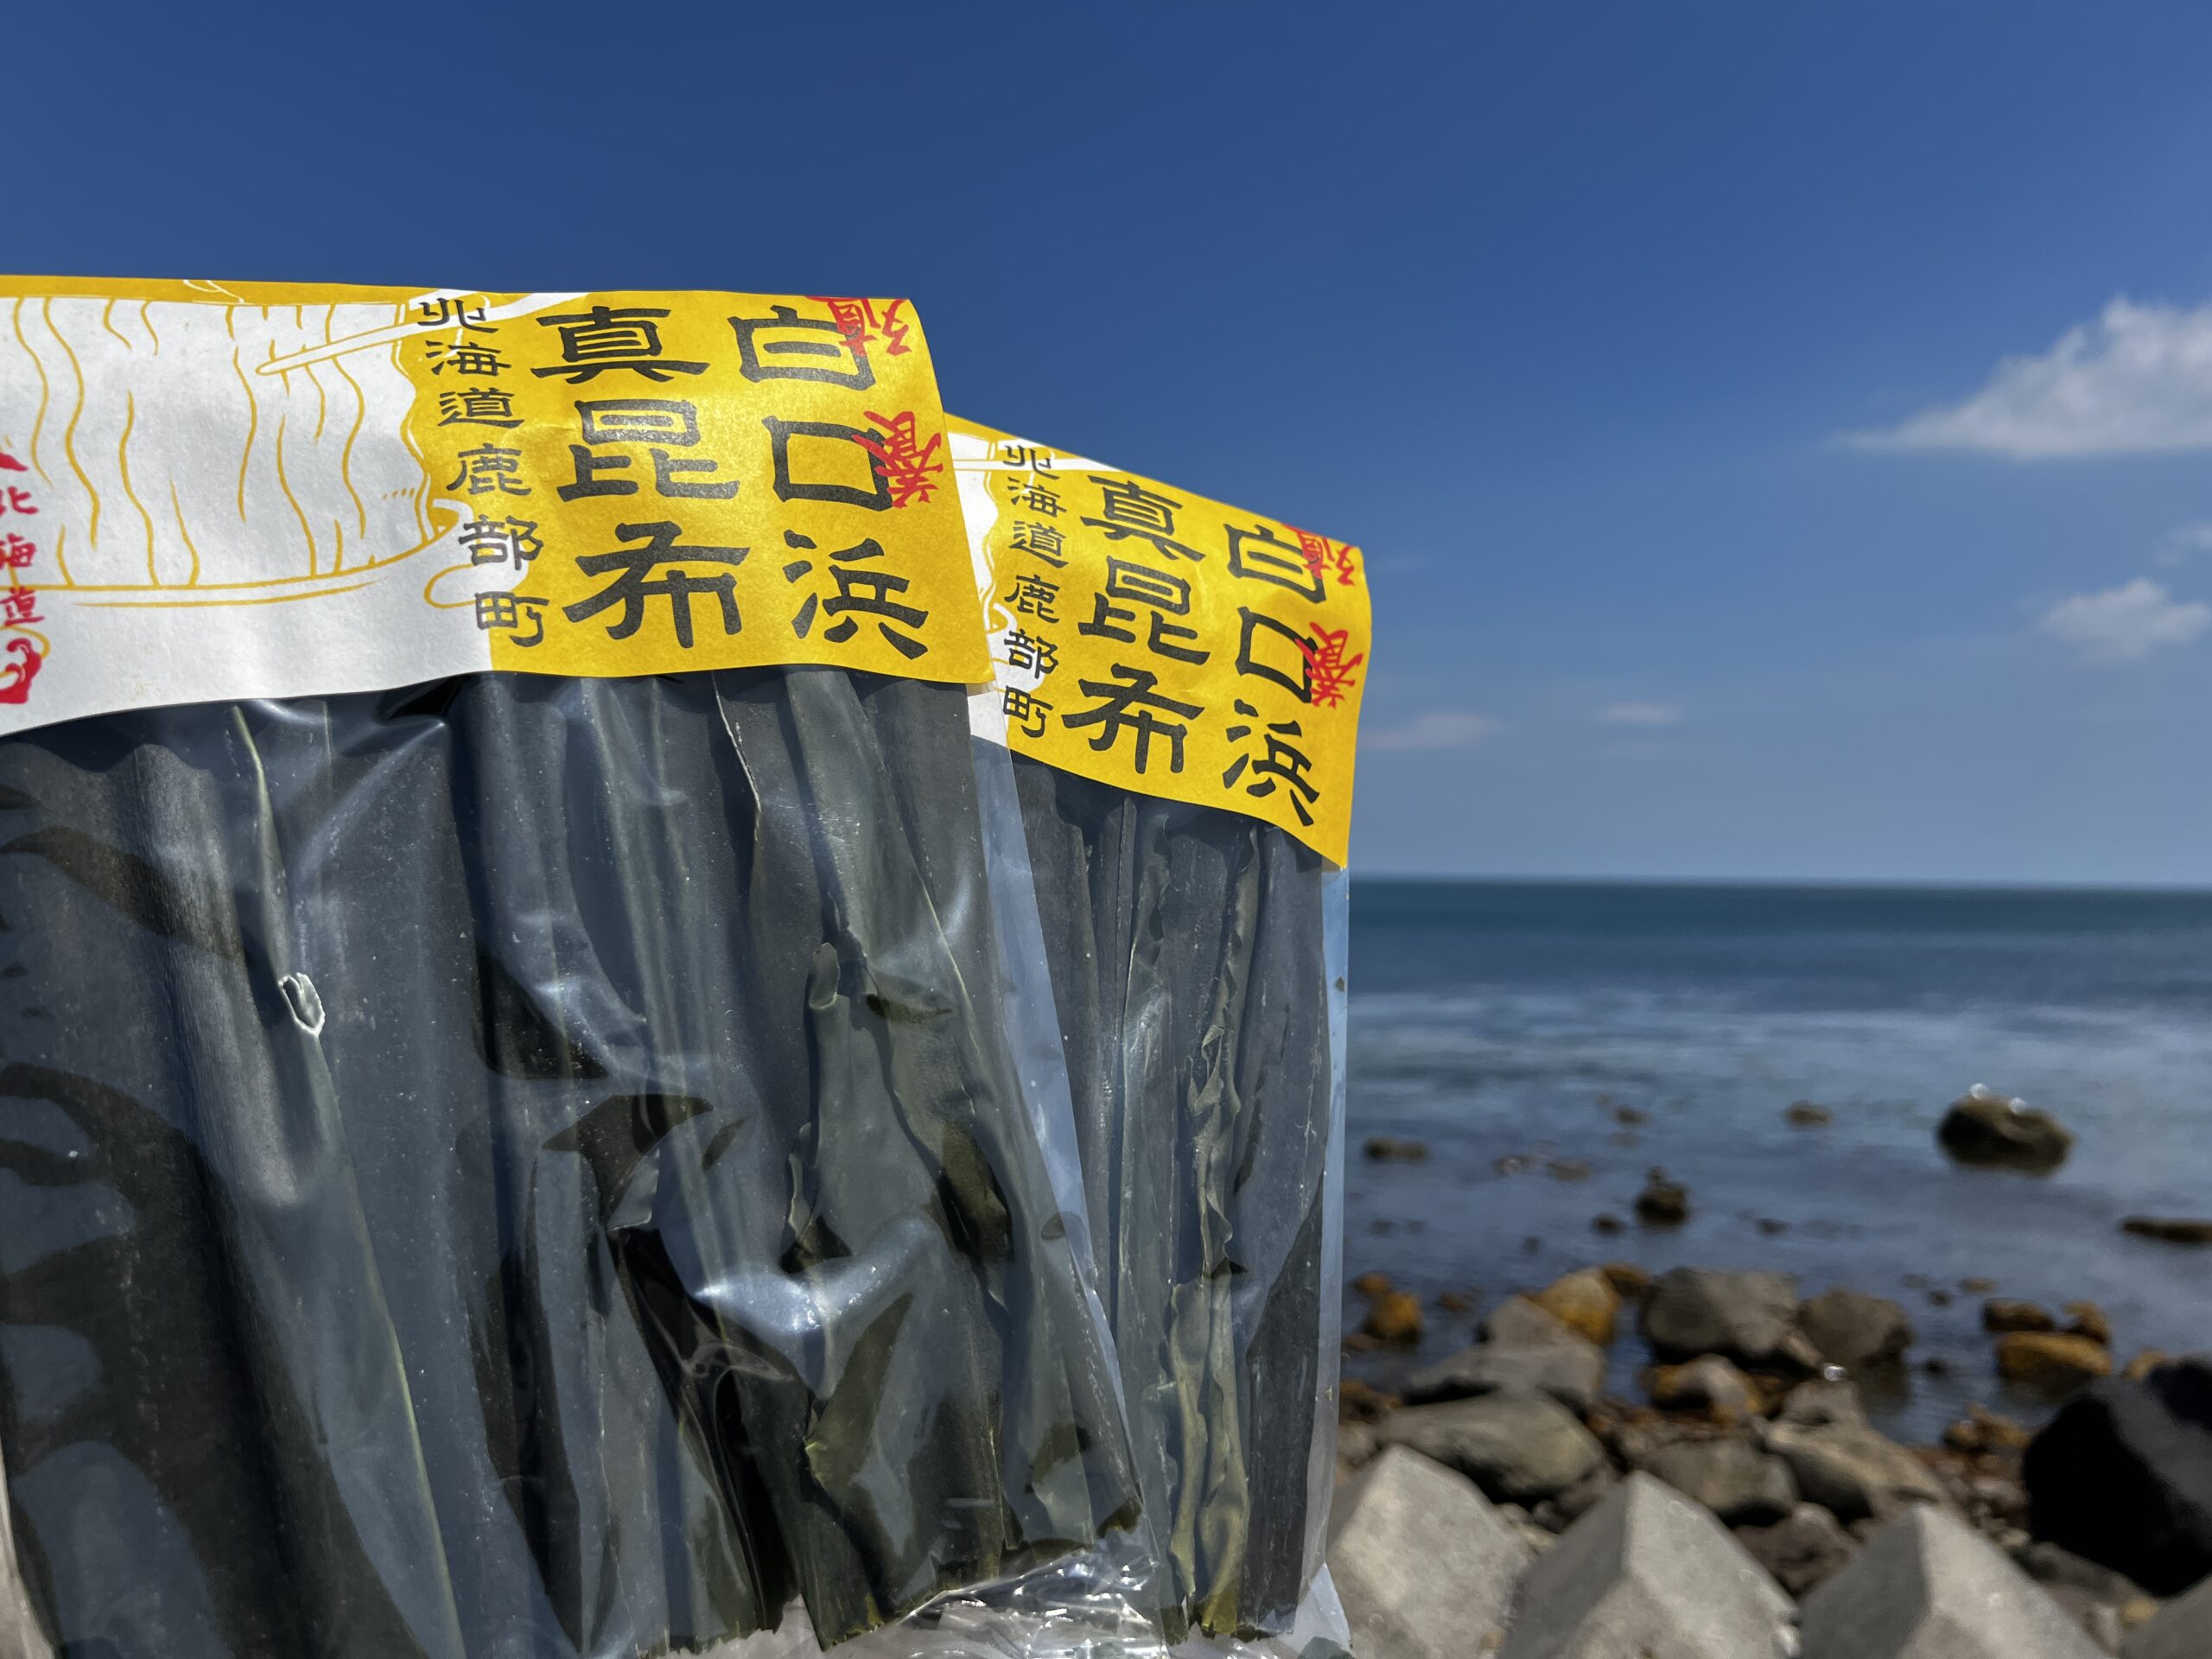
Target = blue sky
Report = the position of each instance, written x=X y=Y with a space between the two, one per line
x=1780 y=433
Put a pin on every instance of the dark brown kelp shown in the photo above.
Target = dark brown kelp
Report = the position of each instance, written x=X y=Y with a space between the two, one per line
x=523 y=1166
x=1186 y=952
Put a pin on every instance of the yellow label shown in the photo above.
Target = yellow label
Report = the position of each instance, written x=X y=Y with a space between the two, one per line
x=220 y=490
x=1152 y=639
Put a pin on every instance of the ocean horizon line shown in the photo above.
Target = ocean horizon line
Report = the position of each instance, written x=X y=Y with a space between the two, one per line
x=1928 y=884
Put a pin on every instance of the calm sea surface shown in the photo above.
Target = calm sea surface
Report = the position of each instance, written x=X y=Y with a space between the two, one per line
x=1501 y=1021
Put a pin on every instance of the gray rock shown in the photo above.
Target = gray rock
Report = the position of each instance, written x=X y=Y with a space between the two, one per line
x=2183 y=1628
x=1983 y=1127
x=1928 y=1588
x=1750 y=1318
x=1517 y=1444
x=1821 y=1402
x=1853 y=1329
x=1356 y=1444
x=1852 y=1470
x=1519 y=1322
x=1802 y=1550
x=2049 y=1564
x=1733 y=1479
x=1423 y=1564
x=1710 y=1383
x=1556 y=1514
x=1648 y=1574
x=1570 y=1369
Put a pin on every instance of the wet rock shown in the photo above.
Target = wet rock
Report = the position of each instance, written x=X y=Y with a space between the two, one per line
x=2087 y=1319
x=1805 y=1115
x=2050 y=1360
x=2051 y=1564
x=1648 y=1572
x=2146 y=1363
x=1926 y=1587
x=1359 y=1341
x=1982 y=1431
x=1359 y=1403
x=1985 y=1127
x=1750 y=1318
x=1709 y=1384
x=1977 y=1286
x=1518 y=1319
x=2182 y=1630
x=1853 y=1329
x=2001 y=1315
x=1453 y=1301
x=1393 y=1317
x=1738 y=1481
x=1821 y=1402
x=1566 y=1169
x=1518 y=1445
x=1771 y=1226
x=1372 y=1284
x=1631 y=1283
x=1801 y=1550
x=1391 y=1149
x=1628 y=1116
x=1570 y=1370
x=2123 y=1475
x=1425 y=1566
x=1939 y=1298
x=1663 y=1203
x=1852 y=1470
x=1607 y=1223
x=2169 y=1230
x=1586 y=1302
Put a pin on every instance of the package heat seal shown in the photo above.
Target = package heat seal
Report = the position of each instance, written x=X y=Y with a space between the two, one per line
x=519 y=1134
x=1178 y=684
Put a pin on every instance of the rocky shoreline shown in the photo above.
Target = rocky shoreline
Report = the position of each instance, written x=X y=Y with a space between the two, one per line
x=1499 y=1501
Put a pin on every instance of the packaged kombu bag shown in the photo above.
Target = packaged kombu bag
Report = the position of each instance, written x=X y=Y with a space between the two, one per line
x=1179 y=685
x=520 y=1129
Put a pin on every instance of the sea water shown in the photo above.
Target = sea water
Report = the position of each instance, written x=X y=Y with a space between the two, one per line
x=1523 y=1031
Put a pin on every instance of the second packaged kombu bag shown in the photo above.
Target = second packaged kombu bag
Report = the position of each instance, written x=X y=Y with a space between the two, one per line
x=1179 y=684
x=519 y=1134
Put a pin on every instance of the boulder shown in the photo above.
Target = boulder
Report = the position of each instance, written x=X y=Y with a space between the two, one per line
x=2182 y=1629
x=1738 y=1481
x=1821 y=1402
x=1586 y=1302
x=1926 y=1587
x=2169 y=1230
x=1709 y=1385
x=1424 y=1566
x=2000 y=1314
x=1359 y=1401
x=1356 y=1444
x=1648 y=1573
x=1749 y=1318
x=1393 y=1317
x=1802 y=1549
x=1983 y=1431
x=1633 y=1282
x=1852 y=1470
x=1372 y=1283
x=2053 y=1564
x=2050 y=1360
x=1519 y=1445
x=2146 y=1363
x=1663 y=1203
x=1985 y=1127
x=1568 y=1368
x=1391 y=1149
x=1853 y=1329
x=1562 y=1509
x=2087 y=1319
x=2123 y=1475
x=1517 y=1320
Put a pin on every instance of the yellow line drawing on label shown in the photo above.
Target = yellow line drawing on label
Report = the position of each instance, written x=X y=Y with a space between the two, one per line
x=107 y=314
x=45 y=391
x=423 y=528
x=146 y=316
x=192 y=604
x=345 y=454
x=123 y=464
x=285 y=485
x=206 y=287
x=177 y=508
x=69 y=432
x=252 y=424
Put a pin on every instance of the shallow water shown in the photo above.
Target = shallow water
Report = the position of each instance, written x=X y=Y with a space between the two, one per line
x=1514 y=1021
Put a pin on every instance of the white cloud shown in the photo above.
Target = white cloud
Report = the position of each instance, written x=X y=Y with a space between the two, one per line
x=2121 y=624
x=2184 y=543
x=1437 y=729
x=2136 y=380
x=1640 y=714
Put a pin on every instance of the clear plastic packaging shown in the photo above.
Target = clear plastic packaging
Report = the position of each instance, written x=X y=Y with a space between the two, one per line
x=1198 y=961
x=529 y=1167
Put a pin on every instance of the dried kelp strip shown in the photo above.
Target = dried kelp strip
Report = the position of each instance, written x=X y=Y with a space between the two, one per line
x=1191 y=988
x=525 y=1165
